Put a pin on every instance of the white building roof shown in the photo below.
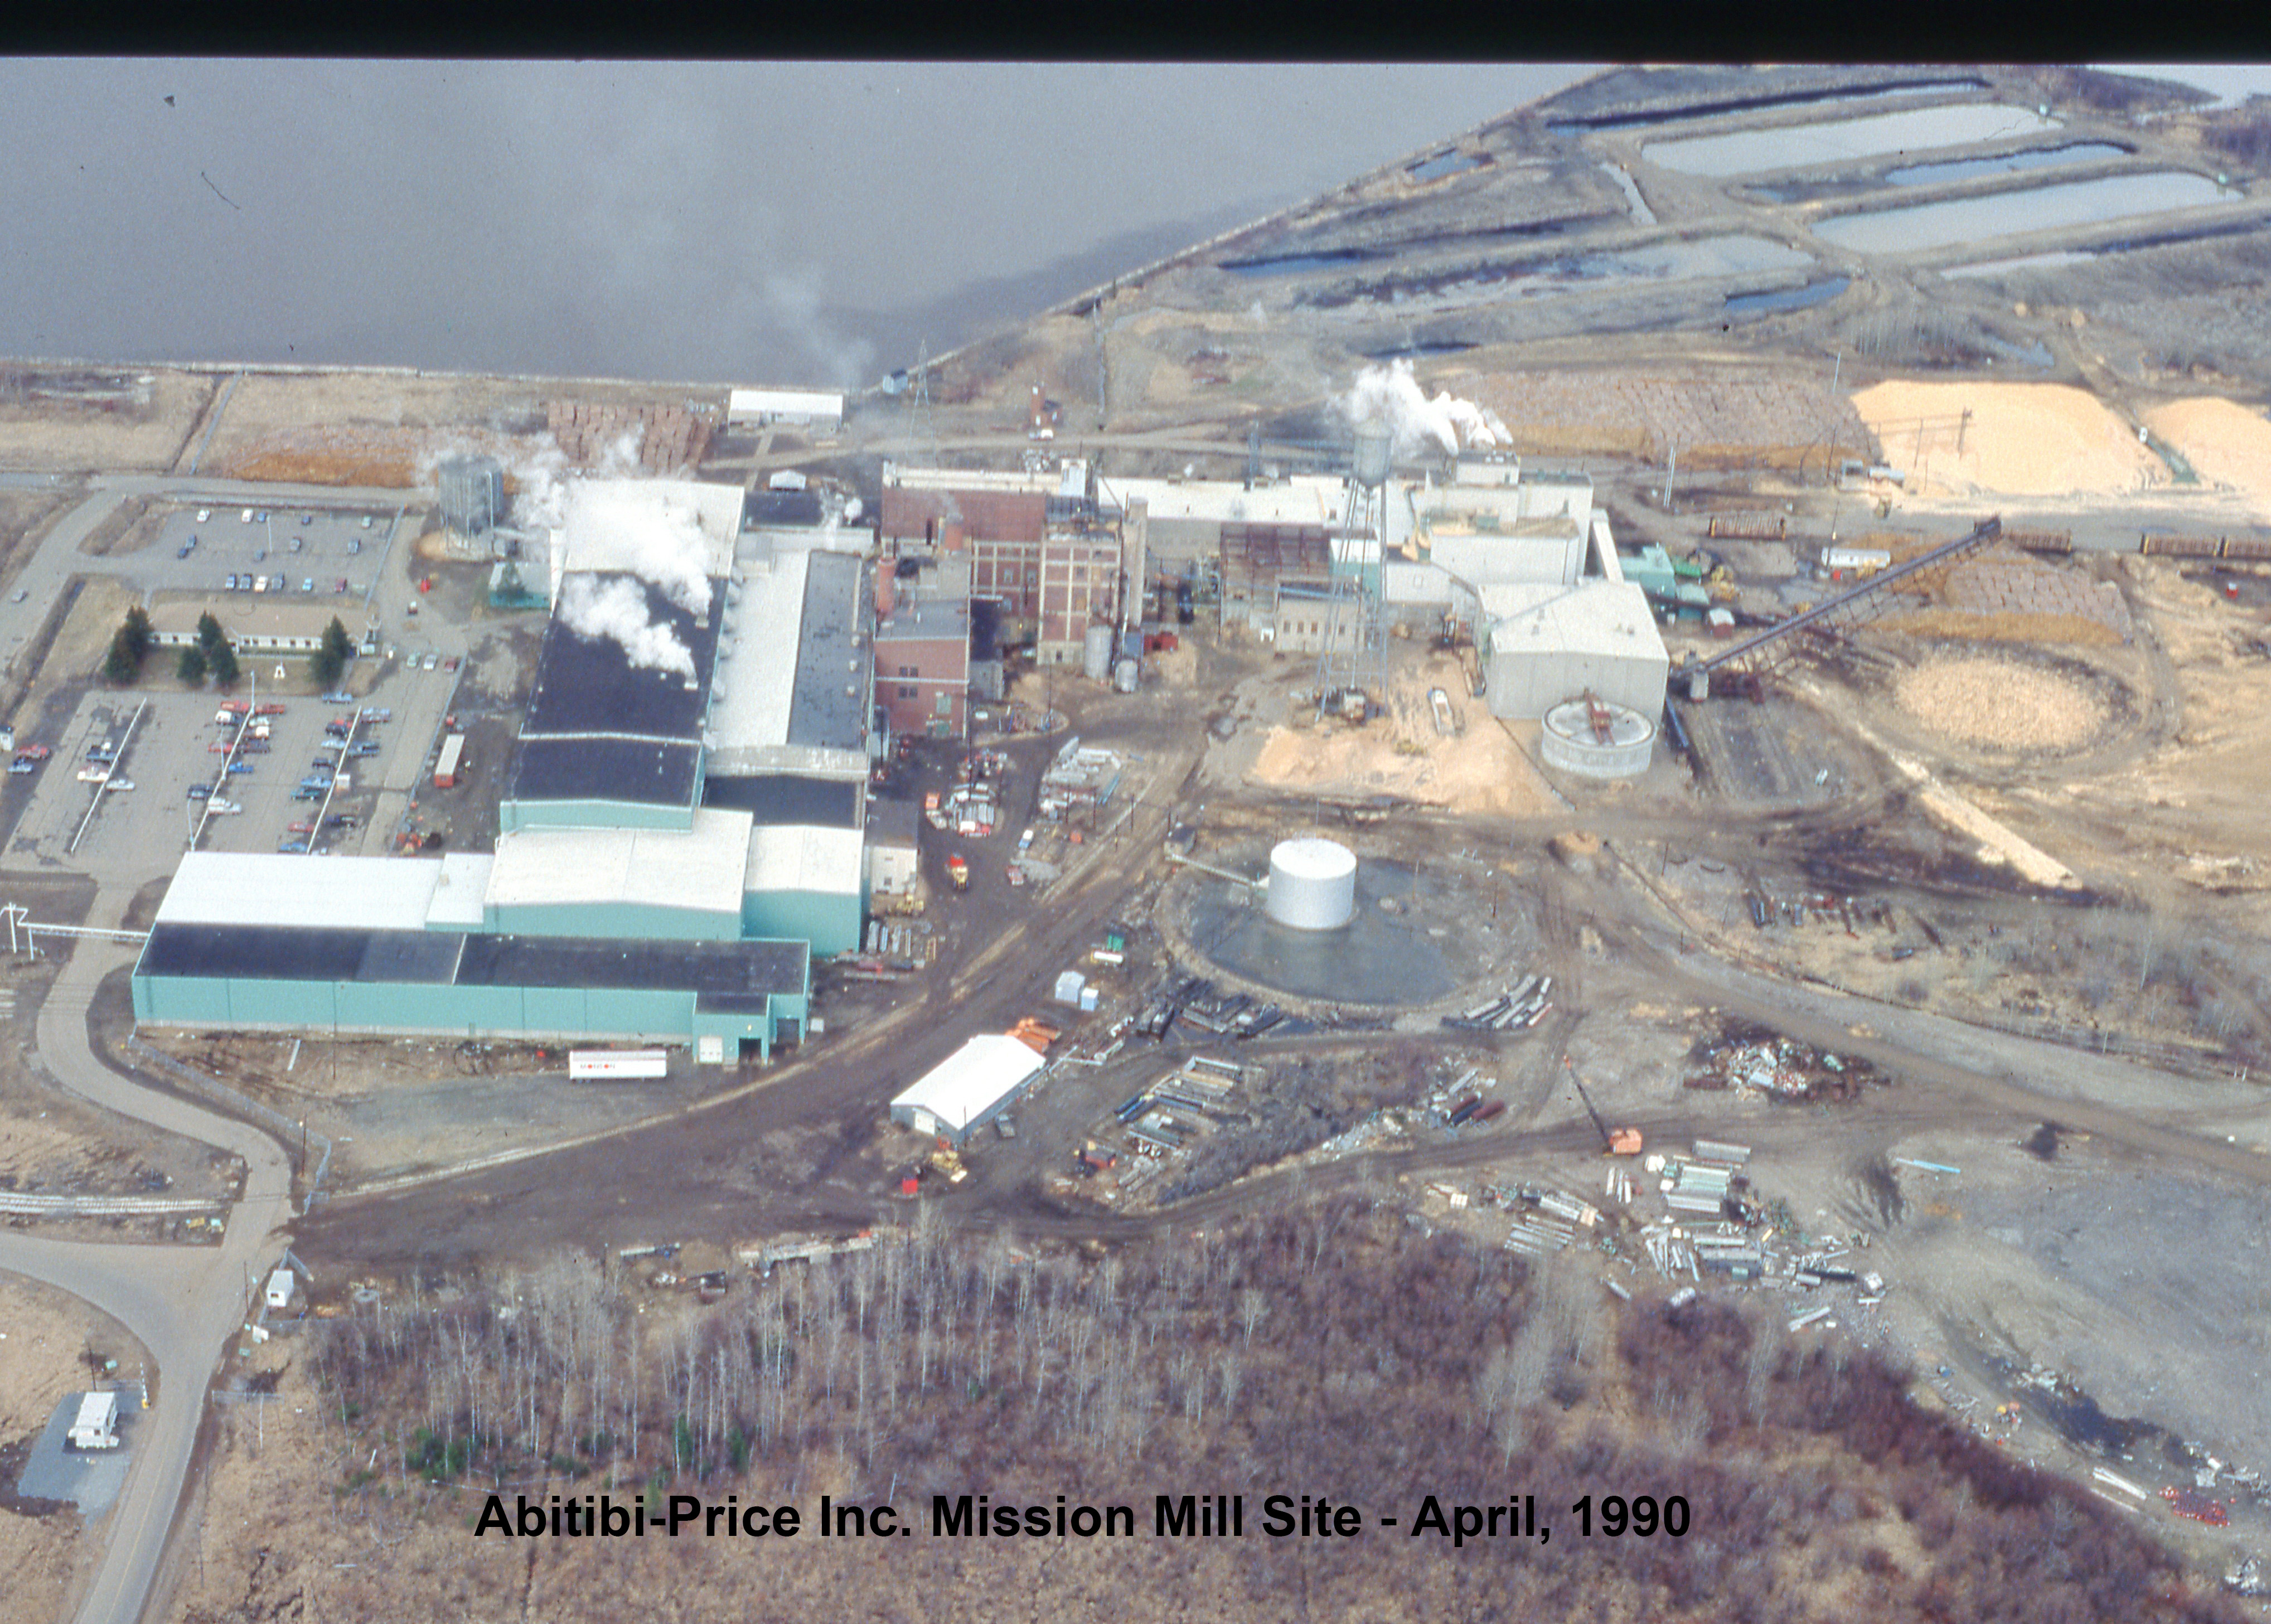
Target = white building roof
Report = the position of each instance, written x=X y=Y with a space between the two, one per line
x=971 y=1081
x=754 y=679
x=266 y=888
x=698 y=869
x=457 y=893
x=1304 y=499
x=1048 y=481
x=784 y=403
x=1594 y=617
x=791 y=857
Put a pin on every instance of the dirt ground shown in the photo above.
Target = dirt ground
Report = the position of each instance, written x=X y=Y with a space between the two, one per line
x=25 y=517
x=1479 y=769
x=388 y=430
x=51 y=436
x=44 y=1335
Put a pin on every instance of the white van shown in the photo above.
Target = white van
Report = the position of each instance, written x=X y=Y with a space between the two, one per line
x=248 y=515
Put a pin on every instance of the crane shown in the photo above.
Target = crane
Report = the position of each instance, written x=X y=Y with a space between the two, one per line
x=1614 y=1142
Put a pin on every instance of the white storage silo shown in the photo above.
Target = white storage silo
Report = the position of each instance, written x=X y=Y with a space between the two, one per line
x=1312 y=883
x=1096 y=653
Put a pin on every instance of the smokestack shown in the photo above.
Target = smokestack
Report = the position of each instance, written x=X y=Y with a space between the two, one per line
x=883 y=594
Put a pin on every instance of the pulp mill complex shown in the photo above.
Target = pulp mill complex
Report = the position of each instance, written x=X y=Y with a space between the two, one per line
x=685 y=822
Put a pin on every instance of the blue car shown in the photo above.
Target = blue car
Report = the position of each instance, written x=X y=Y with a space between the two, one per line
x=240 y=766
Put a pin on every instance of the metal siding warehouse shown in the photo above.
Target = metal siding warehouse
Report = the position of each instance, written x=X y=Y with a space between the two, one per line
x=1548 y=644
x=970 y=1088
x=381 y=945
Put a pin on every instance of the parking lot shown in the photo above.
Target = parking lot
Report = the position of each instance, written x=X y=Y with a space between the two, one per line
x=176 y=746
x=303 y=552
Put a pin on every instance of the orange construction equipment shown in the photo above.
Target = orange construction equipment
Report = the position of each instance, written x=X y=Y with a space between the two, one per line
x=1035 y=1035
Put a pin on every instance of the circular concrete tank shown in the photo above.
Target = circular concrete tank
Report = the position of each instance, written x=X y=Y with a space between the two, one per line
x=1312 y=883
x=1596 y=739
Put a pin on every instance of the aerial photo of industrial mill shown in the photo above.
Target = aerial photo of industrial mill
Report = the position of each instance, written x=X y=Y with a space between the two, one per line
x=1537 y=889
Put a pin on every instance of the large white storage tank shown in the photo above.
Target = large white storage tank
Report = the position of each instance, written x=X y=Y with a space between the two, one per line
x=1096 y=654
x=1312 y=883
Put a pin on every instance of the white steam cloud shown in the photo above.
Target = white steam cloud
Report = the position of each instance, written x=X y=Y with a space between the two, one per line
x=1447 y=423
x=642 y=530
x=594 y=610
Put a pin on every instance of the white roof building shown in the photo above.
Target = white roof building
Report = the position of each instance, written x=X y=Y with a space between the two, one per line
x=806 y=857
x=296 y=890
x=692 y=876
x=1548 y=643
x=755 y=407
x=970 y=1088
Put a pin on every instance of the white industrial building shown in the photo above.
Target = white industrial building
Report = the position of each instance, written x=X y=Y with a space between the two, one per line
x=970 y=1088
x=1547 y=642
x=803 y=408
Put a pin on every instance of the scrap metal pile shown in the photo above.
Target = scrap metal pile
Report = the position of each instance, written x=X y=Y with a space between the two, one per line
x=1753 y=1062
x=1081 y=780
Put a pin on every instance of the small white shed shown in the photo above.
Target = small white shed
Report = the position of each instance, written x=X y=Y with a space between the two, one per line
x=280 y=1287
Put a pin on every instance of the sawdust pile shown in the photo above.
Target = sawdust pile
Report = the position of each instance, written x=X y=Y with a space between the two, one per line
x=2227 y=443
x=1478 y=769
x=2022 y=439
x=2000 y=704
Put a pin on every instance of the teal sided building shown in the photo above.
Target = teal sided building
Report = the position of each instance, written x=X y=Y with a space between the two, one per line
x=635 y=895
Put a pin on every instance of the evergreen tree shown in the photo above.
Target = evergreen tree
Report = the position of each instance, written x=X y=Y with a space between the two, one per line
x=225 y=668
x=138 y=635
x=191 y=667
x=119 y=666
x=332 y=659
x=210 y=636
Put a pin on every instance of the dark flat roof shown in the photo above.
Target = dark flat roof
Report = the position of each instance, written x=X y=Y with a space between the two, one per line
x=775 y=799
x=627 y=769
x=586 y=685
x=282 y=953
x=780 y=509
x=726 y=975
x=832 y=656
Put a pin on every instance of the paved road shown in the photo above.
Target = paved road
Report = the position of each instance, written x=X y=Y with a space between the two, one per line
x=182 y=1303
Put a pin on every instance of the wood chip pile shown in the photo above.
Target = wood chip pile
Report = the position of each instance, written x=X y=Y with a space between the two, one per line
x=2000 y=704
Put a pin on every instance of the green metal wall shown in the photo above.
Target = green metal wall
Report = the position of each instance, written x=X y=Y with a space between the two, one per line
x=831 y=922
x=518 y=814
x=471 y=1011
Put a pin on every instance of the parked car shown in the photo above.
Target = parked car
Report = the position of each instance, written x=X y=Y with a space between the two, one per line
x=204 y=515
x=307 y=518
x=354 y=543
x=20 y=765
x=22 y=593
x=293 y=846
x=365 y=521
x=430 y=660
x=116 y=785
x=232 y=583
x=339 y=696
x=308 y=584
x=184 y=551
x=200 y=792
x=224 y=809
x=248 y=515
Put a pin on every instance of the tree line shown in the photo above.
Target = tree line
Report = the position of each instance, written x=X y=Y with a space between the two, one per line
x=211 y=654
x=1331 y=1348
